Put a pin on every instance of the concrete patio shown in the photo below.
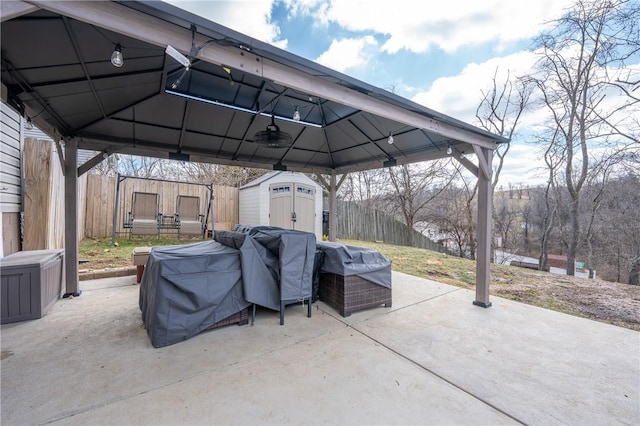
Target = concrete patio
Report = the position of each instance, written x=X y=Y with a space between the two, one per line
x=433 y=358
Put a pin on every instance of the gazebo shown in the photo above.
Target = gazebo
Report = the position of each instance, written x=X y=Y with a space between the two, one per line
x=149 y=79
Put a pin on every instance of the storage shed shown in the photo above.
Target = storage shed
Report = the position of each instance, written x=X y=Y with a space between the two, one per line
x=285 y=199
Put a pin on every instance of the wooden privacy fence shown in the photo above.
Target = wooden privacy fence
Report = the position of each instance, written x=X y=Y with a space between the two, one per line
x=101 y=193
x=360 y=223
x=44 y=220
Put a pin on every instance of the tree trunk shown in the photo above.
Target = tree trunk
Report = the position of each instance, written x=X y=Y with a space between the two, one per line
x=574 y=232
x=634 y=272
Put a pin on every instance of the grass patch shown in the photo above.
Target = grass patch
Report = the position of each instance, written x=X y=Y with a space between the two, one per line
x=554 y=292
x=100 y=254
x=424 y=263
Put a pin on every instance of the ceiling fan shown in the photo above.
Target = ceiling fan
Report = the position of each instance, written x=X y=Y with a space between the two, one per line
x=273 y=137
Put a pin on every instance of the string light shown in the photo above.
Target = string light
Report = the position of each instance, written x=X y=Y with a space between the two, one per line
x=116 y=57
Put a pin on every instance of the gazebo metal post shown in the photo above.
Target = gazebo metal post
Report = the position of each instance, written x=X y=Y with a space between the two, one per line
x=210 y=211
x=71 y=217
x=484 y=222
x=115 y=209
x=332 y=187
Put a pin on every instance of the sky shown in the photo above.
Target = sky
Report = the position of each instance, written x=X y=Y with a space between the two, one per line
x=440 y=54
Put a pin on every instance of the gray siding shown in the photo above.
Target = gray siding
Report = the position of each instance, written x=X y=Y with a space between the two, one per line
x=10 y=161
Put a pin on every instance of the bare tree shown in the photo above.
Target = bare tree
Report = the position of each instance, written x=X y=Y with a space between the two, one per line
x=573 y=81
x=500 y=110
x=548 y=208
x=504 y=219
x=144 y=167
x=454 y=213
x=365 y=187
x=107 y=167
x=618 y=236
x=414 y=186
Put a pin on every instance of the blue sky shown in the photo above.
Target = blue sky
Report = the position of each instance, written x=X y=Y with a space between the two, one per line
x=439 y=54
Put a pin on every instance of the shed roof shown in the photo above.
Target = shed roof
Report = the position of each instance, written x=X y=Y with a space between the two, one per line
x=268 y=176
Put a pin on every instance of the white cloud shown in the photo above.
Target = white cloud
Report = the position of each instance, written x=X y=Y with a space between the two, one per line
x=250 y=17
x=523 y=164
x=460 y=95
x=348 y=53
x=419 y=26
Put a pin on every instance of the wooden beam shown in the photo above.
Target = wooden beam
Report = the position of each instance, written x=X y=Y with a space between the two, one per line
x=138 y=25
x=97 y=159
x=468 y=165
x=56 y=141
x=482 y=163
x=13 y=9
x=323 y=181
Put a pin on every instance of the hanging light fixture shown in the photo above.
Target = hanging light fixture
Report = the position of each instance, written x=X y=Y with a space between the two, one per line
x=449 y=150
x=176 y=83
x=296 y=115
x=272 y=137
x=116 y=57
x=390 y=140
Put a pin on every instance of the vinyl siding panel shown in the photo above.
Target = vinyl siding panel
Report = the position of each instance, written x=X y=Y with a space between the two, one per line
x=10 y=158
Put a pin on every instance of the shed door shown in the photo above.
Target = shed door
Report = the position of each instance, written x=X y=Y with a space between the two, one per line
x=304 y=207
x=281 y=205
x=292 y=206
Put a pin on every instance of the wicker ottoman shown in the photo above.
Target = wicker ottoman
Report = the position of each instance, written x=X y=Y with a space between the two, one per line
x=348 y=294
x=240 y=318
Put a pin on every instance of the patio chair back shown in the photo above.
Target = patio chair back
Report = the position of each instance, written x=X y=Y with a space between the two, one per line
x=145 y=206
x=188 y=208
x=144 y=214
x=190 y=221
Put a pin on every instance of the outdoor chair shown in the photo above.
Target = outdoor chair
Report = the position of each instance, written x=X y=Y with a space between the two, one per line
x=144 y=214
x=189 y=288
x=295 y=252
x=188 y=217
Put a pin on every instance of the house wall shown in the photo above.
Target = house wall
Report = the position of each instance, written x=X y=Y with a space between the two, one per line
x=10 y=179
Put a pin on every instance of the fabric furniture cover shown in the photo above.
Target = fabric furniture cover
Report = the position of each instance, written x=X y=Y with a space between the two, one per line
x=368 y=264
x=260 y=271
x=188 y=288
x=354 y=278
x=295 y=251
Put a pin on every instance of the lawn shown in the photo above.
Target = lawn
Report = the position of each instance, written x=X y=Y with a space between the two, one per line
x=100 y=254
x=613 y=303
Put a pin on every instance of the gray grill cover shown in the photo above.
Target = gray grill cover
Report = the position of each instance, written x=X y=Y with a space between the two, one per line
x=368 y=264
x=185 y=289
x=260 y=276
x=295 y=251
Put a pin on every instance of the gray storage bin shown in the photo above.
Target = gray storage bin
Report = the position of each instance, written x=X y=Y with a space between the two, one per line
x=32 y=281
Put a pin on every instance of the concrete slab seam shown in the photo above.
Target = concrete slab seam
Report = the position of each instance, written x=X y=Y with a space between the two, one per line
x=422 y=367
x=338 y=317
